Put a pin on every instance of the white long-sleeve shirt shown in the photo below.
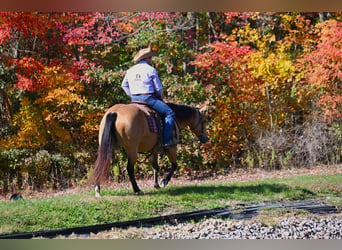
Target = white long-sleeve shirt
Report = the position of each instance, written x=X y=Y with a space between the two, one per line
x=142 y=78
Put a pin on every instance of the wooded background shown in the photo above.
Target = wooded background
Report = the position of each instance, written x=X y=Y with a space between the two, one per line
x=273 y=83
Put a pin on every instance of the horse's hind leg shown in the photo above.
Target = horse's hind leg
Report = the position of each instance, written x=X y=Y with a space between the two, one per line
x=130 y=170
x=155 y=169
x=97 y=190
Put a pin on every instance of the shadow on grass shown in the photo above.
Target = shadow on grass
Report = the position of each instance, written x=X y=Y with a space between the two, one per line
x=243 y=192
x=253 y=188
x=236 y=192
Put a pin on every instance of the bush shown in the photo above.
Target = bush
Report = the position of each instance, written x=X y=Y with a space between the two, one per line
x=301 y=146
x=29 y=169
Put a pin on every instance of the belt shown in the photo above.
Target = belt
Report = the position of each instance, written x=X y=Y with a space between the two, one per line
x=145 y=94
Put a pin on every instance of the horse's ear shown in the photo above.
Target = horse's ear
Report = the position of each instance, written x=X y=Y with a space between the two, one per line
x=204 y=110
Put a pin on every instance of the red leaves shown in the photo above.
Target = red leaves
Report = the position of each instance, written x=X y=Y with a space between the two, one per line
x=29 y=23
x=5 y=33
x=28 y=70
x=227 y=79
x=221 y=53
x=25 y=83
x=223 y=65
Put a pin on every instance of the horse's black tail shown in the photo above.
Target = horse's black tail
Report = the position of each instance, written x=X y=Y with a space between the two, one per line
x=105 y=150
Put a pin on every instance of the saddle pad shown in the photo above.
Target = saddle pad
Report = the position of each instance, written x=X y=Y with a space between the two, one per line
x=152 y=123
x=151 y=117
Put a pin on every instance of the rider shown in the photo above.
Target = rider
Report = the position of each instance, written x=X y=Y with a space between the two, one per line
x=142 y=83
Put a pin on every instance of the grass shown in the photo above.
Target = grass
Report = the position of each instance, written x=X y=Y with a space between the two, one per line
x=82 y=209
x=271 y=216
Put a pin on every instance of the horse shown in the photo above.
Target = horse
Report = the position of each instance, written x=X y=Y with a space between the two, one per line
x=126 y=126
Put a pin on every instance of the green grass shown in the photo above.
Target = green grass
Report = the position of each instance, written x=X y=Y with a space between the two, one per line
x=120 y=205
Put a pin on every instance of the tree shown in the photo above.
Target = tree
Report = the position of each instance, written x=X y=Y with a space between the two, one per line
x=320 y=70
x=232 y=91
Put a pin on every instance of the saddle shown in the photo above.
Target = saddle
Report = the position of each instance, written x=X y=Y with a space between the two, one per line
x=156 y=122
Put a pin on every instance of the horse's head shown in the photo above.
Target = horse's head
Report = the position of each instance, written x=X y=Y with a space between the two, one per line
x=199 y=126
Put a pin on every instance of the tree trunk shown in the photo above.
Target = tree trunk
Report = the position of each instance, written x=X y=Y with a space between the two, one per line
x=5 y=109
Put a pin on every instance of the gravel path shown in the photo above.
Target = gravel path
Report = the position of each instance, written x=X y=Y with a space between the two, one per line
x=317 y=227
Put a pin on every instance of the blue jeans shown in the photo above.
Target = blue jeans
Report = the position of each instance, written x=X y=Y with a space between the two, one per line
x=161 y=107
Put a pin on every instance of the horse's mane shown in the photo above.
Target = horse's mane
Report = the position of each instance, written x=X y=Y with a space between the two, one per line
x=182 y=112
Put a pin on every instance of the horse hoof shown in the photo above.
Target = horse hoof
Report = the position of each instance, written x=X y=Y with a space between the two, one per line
x=139 y=192
x=163 y=183
x=97 y=191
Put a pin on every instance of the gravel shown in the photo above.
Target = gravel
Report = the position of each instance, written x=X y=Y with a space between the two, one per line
x=327 y=227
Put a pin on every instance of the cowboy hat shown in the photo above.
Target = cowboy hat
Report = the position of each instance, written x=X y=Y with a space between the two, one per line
x=144 y=53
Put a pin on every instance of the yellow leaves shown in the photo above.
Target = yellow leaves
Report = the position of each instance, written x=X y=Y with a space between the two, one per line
x=51 y=70
x=31 y=134
x=61 y=99
x=56 y=77
x=274 y=68
x=298 y=28
x=48 y=119
x=246 y=34
x=60 y=88
x=291 y=21
x=62 y=96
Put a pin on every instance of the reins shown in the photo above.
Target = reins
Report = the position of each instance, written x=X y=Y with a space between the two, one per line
x=199 y=122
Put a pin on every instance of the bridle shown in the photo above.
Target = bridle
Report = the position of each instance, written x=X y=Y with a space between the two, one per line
x=200 y=122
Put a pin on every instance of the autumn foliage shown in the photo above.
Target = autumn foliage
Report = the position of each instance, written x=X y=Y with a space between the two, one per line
x=272 y=82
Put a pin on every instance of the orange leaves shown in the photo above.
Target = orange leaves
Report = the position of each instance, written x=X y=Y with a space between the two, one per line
x=249 y=71
x=331 y=106
x=53 y=82
x=261 y=87
x=60 y=87
x=60 y=99
x=300 y=30
x=321 y=69
x=62 y=96
x=48 y=119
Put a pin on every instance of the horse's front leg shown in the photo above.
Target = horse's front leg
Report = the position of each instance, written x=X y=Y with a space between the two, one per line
x=165 y=181
x=155 y=169
x=172 y=155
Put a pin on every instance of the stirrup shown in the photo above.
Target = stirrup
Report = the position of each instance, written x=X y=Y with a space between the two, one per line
x=168 y=145
x=172 y=143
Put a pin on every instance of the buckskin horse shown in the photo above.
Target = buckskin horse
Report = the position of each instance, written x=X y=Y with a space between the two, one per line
x=126 y=126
